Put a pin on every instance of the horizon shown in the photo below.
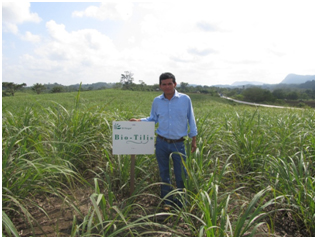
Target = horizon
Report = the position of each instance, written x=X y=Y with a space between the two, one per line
x=195 y=85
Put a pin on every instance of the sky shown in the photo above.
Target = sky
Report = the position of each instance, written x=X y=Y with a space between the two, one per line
x=201 y=42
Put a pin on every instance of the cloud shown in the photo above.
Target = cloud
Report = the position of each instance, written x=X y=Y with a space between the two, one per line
x=209 y=45
x=107 y=10
x=14 y=13
x=207 y=27
x=203 y=52
x=181 y=59
x=70 y=57
x=10 y=27
x=78 y=43
x=57 y=32
x=30 y=37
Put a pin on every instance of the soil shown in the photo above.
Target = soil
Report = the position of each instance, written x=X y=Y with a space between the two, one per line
x=60 y=216
x=286 y=226
x=60 y=220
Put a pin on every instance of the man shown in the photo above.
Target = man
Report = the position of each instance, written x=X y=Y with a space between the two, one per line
x=173 y=112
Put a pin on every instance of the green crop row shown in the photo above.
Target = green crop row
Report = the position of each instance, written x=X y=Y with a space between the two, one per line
x=253 y=167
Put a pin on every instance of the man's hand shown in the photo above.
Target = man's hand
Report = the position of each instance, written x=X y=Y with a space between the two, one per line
x=133 y=119
x=194 y=146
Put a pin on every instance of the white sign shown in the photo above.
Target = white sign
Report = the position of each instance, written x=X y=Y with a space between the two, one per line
x=133 y=137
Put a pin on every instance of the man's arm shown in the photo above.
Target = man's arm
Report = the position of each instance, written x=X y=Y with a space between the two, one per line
x=192 y=126
x=152 y=116
x=133 y=119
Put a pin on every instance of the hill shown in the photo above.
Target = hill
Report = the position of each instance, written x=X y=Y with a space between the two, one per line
x=93 y=86
x=297 y=79
x=237 y=83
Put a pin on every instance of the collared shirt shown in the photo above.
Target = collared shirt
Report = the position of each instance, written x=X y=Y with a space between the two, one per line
x=173 y=116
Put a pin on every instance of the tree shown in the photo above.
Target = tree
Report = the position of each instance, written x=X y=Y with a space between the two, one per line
x=57 y=89
x=117 y=85
x=38 y=88
x=10 y=88
x=279 y=93
x=256 y=94
x=292 y=95
x=184 y=86
x=127 y=79
x=310 y=94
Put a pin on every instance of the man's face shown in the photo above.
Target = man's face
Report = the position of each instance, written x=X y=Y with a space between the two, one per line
x=168 y=86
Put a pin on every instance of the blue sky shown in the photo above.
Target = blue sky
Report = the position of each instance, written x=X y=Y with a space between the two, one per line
x=201 y=42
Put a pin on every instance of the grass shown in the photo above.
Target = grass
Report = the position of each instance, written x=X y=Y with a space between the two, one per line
x=252 y=166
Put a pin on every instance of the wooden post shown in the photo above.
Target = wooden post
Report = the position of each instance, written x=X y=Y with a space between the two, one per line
x=132 y=174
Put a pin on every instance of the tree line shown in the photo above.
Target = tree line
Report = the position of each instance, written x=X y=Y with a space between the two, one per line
x=260 y=95
x=249 y=93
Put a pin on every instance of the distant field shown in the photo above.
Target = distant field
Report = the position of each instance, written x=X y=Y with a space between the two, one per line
x=252 y=174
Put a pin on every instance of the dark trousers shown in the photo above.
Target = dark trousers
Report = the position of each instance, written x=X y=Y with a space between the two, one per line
x=176 y=151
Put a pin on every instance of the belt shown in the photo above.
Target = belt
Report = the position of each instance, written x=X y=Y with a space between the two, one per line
x=170 y=141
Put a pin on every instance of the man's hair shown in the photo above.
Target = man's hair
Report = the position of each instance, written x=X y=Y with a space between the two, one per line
x=167 y=75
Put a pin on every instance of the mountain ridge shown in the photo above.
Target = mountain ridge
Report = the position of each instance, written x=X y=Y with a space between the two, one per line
x=289 y=79
x=297 y=79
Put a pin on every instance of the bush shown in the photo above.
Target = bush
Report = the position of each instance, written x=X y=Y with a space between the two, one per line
x=57 y=89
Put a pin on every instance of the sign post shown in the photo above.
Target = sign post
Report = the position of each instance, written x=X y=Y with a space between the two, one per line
x=132 y=138
x=132 y=174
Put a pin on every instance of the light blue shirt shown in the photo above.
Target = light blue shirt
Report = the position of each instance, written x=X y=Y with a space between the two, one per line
x=173 y=116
